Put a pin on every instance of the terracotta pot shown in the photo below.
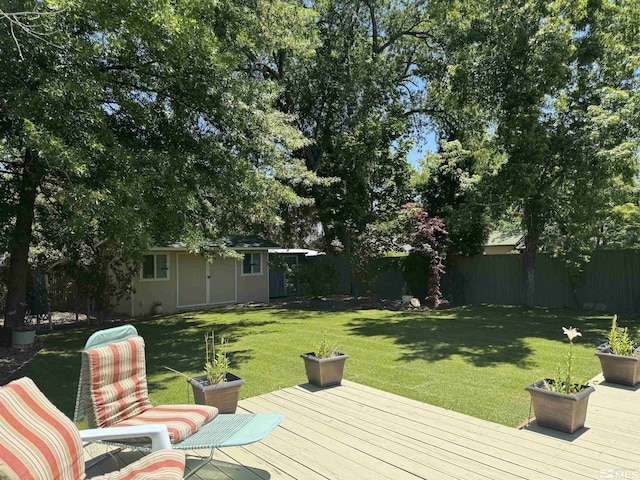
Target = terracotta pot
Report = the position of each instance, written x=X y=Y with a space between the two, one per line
x=619 y=369
x=559 y=411
x=324 y=372
x=224 y=396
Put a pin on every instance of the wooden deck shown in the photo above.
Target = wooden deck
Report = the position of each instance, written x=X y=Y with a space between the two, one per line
x=356 y=432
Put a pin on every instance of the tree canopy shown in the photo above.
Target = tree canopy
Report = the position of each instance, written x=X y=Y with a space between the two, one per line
x=154 y=121
x=139 y=122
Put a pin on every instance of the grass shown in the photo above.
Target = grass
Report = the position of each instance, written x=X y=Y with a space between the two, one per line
x=475 y=360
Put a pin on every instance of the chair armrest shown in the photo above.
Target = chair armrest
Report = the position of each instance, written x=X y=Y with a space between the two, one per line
x=157 y=433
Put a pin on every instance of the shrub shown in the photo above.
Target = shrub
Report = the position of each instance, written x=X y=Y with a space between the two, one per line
x=317 y=279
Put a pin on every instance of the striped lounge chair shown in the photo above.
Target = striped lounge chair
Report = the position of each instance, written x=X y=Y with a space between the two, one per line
x=113 y=393
x=38 y=442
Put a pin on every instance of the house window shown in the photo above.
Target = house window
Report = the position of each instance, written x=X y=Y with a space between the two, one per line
x=155 y=267
x=252 y=264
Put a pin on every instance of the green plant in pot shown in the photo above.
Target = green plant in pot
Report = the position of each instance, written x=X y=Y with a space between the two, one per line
x=217 y=387
x=325 y=365
x=620 y=356
x=561 y=402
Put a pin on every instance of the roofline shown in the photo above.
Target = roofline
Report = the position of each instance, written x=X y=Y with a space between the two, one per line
x=174 y=248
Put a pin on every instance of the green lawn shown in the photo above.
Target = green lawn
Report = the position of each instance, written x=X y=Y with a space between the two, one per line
x=475 y=360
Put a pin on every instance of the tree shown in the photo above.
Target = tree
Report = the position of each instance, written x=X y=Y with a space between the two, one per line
x=427 y=237
x=137 y=122
x=561 y=82
x=449 y=188
x=355 y=100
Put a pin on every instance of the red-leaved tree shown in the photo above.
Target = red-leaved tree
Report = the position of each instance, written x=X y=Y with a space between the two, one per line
x=427 y=236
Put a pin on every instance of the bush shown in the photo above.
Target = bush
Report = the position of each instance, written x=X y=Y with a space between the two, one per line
x=317 y=279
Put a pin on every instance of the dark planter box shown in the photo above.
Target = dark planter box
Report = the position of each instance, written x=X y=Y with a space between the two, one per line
x=619 y=368
x=559 y=411
x=324 y=372
x=223 y=396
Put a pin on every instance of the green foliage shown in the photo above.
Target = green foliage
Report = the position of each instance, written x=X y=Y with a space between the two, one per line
x=324 y=349
x=367 y=248
x=620 y=341
x=558 y=87
x=448 y=188
x=350 y=98
x=216 y=364
x=142 y=123
x=317 y=279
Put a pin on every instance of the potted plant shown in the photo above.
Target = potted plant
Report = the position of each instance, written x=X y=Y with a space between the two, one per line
x=324 y=366
x=23 y=335
x=620 y=356
x=217 y=387
x=561 y=403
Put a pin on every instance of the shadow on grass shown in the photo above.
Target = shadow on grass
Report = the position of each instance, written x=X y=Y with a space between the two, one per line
x=177 y=342
x=484 y=336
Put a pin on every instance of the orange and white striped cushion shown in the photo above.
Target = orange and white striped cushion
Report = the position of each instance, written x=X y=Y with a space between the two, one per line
x=37 y=441
x=116 y=378
x=181 y=420
x=164 y=464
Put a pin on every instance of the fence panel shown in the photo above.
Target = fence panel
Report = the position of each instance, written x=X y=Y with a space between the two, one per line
x=611 y=280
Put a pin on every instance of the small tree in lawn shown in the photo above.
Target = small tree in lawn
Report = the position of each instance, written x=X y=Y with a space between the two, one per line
x=427 y=236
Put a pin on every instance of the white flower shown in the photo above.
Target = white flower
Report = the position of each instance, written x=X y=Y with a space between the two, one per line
x=571 y=333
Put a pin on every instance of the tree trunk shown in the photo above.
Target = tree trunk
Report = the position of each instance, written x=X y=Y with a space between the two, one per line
x=531 y=241
x=16 y=302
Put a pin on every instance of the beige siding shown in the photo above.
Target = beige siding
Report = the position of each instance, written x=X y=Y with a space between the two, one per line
x=222 y=282
x=254 y=288
x=192 y=277
x=187 y=285
x=149 y=291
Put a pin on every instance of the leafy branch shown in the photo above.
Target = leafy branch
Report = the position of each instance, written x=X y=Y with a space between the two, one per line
x=27 y=22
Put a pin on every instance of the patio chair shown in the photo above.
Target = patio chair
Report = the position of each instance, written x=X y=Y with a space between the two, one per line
x=39 y=442
x=112 y=392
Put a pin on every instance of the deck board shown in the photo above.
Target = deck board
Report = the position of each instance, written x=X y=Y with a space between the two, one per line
x=357 y=432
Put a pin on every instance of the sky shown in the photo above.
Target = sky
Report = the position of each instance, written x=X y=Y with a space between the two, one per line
x=428 y=145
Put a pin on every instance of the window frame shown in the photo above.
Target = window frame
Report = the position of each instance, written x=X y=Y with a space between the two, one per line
x=252 y=273
x=155 y=268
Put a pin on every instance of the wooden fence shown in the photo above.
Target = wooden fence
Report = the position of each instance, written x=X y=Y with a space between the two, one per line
x=611 y=281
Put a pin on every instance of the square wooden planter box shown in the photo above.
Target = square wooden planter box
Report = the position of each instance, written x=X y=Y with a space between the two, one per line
x=619 y=369
x=324 y=372
x=223 y=396
x=559 y=411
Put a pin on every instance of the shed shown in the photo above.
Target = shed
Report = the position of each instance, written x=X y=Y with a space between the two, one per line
x=180 y=280
x=500 y=243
